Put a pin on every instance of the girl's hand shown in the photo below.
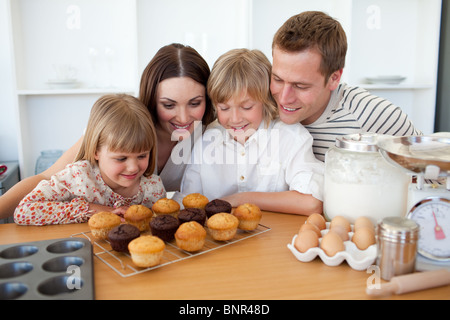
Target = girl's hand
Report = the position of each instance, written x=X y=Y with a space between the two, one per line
x=95 y=208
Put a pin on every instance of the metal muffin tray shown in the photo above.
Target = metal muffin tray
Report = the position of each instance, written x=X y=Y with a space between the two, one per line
x=50 y=269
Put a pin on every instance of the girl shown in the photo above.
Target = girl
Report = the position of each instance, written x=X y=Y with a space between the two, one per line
x=173 y=88
x=249 y=155
x=113 y=169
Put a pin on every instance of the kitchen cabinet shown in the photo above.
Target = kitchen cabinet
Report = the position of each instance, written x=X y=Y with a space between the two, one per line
x=66 y=54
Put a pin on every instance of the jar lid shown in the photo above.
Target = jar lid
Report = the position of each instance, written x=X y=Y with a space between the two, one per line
x=398 y=229
x=360 y=142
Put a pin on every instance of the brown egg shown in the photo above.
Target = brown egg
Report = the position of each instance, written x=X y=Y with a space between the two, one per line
x=318 y=220
x=364 y=237
x=340 y=221
x=363 y=222
x=341 y=231
x=305 y=240
x=310 y=226
x=332 y=243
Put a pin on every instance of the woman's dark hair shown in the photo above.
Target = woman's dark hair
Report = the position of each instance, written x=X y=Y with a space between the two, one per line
x=171 y=61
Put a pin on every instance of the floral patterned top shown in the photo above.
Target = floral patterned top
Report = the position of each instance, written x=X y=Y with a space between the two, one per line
x=66 y=196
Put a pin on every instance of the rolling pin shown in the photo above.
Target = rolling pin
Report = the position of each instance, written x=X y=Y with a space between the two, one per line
x=412 y=282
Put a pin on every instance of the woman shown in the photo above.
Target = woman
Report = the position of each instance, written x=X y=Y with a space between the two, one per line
x=173 y=87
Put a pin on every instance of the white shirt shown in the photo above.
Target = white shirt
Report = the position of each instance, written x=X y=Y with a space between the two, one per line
x=278 y=158
x=173 y=171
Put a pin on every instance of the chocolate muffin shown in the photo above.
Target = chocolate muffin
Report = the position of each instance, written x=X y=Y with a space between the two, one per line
x=164 y=227
x=192 y=214
x=120 y=236
x=216 y=206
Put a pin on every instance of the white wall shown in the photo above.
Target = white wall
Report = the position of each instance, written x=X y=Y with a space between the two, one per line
x=212 y=27
x=87 y=39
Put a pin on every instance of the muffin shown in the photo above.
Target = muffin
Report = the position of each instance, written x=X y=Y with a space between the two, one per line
x=139 y=216
x=164 y=227
x=102 y=222
x=190 y=236
x=216 y=206
x=119 y=237
x=166 y=206
x=192 y=214
x=222 y=226
x=249 y=216
x=195 y=200
x=146 y=251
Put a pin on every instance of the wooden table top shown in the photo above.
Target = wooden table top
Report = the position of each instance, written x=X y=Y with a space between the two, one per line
x=260 y=267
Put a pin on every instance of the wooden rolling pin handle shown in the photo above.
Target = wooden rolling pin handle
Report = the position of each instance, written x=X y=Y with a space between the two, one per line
x=412 y=282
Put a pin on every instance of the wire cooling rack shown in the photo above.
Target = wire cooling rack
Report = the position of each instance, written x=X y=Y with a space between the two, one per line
x=122 y=264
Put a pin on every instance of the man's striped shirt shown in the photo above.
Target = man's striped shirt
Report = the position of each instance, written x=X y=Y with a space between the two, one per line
x=355 y=110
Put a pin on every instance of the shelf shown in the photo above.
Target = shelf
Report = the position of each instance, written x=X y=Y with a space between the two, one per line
x=401 y=86
x=77 y=91
x=81 y=91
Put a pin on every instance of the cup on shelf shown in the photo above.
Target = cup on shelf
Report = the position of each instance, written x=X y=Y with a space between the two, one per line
x=65 y=72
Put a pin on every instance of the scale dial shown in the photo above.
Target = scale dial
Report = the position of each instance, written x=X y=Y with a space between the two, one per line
x=433 y=216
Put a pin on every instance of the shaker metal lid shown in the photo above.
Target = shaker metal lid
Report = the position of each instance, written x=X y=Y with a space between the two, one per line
x=359 y=142
x=398 y=228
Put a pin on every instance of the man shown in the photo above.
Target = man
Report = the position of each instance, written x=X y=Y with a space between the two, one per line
x=308 y=59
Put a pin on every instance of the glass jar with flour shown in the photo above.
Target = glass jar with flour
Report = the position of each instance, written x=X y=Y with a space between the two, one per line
x=360 y=182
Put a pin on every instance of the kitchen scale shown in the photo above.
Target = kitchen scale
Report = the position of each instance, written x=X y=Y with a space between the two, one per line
x=427 y=159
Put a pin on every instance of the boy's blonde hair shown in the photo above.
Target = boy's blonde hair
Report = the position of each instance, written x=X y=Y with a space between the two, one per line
x=122 y=123
x=243 y=70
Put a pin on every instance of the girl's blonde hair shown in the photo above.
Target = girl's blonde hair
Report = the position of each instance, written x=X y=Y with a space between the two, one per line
x=123 y=124
x=243 y=70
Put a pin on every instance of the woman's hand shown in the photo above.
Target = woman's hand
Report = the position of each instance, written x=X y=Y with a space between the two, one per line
x=95 y=208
